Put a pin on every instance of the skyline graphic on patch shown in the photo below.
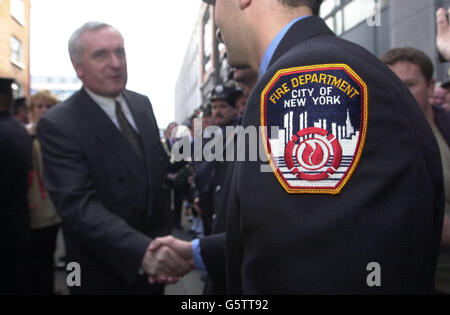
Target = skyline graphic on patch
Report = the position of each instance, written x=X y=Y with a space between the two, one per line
x=321 y=112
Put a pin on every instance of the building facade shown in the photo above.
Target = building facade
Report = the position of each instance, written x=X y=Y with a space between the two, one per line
x=203 y=68
x=377 y=25
x=62 y=87
x=15 y=44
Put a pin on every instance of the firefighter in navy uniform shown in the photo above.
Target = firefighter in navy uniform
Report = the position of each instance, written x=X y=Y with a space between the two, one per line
x=223 y=99
x=355 y=177
x=213 y=177
x=353 y=200
x=210 y=172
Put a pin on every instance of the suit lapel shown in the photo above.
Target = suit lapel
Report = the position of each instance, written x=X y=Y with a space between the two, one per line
x=146 y=124
x=143 y=123
x=102 y=126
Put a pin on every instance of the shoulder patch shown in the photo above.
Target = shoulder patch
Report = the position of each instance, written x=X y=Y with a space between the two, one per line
x=321 y=112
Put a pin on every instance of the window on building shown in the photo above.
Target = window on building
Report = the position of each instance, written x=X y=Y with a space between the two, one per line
x=357 y=11
x=16 y=51
x=328 y=6
x=330 y=23
x=343 y=15
x=207 y=41
x=338 y=18
x=17 y=90
x=17 y=10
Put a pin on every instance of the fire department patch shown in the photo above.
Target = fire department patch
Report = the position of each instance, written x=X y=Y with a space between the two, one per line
x=321 y=112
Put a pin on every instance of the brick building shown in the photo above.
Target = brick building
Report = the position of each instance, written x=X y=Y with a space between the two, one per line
x=15 y=43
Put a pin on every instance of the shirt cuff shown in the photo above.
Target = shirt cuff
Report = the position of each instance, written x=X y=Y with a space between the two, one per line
x=196 y=254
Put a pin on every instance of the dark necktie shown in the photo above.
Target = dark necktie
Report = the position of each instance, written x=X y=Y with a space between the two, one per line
x=128 y=131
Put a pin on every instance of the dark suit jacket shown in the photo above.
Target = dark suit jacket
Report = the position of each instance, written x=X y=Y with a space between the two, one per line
x=15 y=233
x=111 y=202
x=389 y=212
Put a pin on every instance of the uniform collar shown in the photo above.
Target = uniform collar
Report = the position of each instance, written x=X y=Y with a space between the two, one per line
x=299 y=32
x=268 y=54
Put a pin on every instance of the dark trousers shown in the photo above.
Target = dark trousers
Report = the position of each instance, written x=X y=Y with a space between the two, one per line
x=14 y=271
x=43 y=245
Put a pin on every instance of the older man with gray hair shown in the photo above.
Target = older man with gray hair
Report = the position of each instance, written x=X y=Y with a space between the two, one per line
x=105 y=169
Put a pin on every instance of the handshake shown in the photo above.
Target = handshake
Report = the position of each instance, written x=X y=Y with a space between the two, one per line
x=167 y=259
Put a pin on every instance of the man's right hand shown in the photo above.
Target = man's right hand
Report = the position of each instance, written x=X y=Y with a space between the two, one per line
x=181 y=249
x=163 y=265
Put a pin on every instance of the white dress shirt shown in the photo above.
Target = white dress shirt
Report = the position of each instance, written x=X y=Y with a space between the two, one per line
x=108 y=105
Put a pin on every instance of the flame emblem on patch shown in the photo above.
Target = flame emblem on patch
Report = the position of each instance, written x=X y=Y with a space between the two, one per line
x=316 y=150
x=311 y=154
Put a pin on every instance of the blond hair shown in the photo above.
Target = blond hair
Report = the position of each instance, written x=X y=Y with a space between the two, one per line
x=45 y=95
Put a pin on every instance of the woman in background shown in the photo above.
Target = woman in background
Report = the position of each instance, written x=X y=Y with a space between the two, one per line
x=44 y=220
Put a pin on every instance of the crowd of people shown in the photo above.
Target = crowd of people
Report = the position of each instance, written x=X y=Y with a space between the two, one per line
x=95 y=165
x=41 y=224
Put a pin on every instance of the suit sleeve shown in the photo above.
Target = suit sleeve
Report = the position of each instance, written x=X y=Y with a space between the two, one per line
x=212 y=250
x=68 y=179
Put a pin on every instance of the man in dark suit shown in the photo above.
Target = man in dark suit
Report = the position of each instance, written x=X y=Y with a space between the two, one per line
x=104 y=167
x=353 y=201
x=15 y=163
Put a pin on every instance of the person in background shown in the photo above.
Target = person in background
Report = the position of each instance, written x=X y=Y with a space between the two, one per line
x=439 y=96
x=44 y=219
x=213 y=177
x=169 y=140
x=176 y=201
x=20 y=111
x=207 y=119
x=439 y=101
x=246 y=79
x=15 y=164
x=39 y=104
x=446 y=104
x=200 y=224
x=415 y=69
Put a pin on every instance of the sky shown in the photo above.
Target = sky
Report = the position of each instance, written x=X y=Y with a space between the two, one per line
x=157 y=34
